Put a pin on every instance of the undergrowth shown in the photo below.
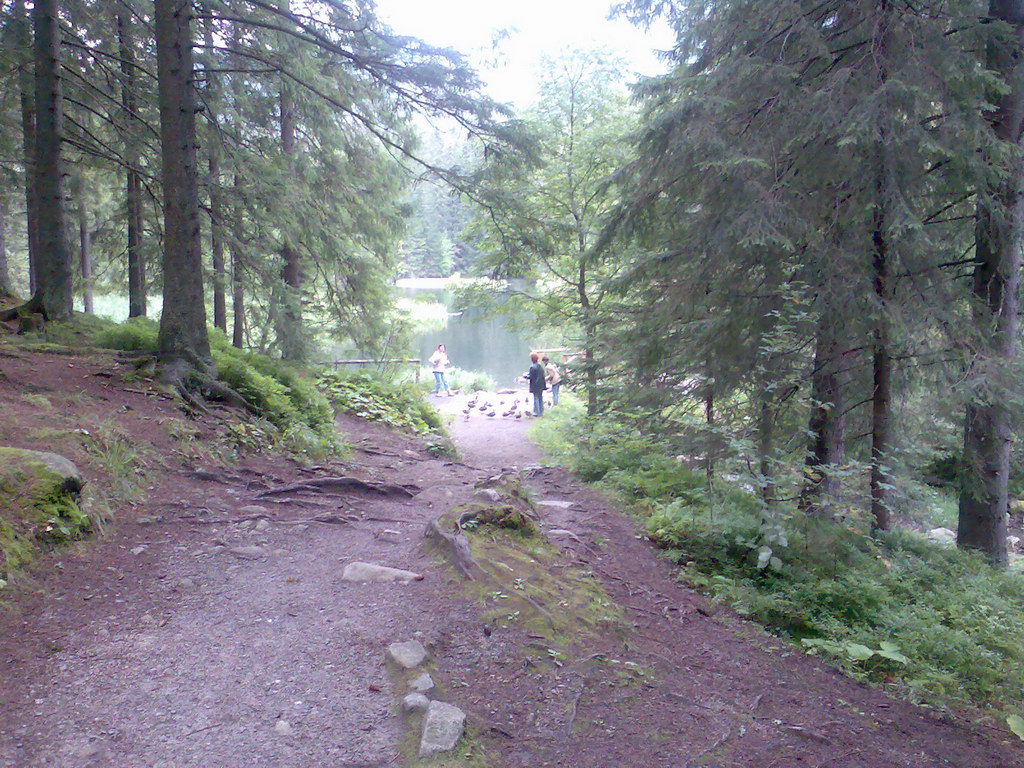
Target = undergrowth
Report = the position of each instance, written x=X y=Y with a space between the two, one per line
x=937 y=623
x=293 y=412
x=370 y=397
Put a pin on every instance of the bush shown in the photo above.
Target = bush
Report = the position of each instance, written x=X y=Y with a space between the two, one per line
x=937 y=622
x=294 y=406
x=370 y=397
x=136 y=334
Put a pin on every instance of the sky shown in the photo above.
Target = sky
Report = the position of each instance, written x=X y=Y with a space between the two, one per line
x=536 y=28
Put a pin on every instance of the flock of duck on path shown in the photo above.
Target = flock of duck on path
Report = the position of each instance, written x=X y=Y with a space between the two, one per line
x=509 y=409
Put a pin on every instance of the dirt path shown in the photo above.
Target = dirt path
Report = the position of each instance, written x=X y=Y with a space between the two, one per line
x=716 y=691
x=204 y=633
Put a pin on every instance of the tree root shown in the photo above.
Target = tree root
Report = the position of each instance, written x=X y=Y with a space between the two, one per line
x=456 y=547
x=32 y=306
x=342 y=485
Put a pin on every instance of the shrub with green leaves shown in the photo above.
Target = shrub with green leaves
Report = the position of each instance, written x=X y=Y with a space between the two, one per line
x=938 y=622
x=292 y=404
x=365 y=395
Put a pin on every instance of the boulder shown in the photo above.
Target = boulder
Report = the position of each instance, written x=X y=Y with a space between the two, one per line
x=357 y=571
x=442 y=728
x=45 y=473
x=407 y=655
x=39 y=499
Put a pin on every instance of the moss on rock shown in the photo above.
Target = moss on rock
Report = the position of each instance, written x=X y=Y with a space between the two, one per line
x=38 y=505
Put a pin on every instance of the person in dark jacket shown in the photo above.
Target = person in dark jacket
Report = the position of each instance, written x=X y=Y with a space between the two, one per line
x=536 y=374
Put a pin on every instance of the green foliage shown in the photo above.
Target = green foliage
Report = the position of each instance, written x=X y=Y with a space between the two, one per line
x=121 y=460
x=938 y=622
x=295 y=412
x=370 y=397
x=136 y=334
x=458 y=378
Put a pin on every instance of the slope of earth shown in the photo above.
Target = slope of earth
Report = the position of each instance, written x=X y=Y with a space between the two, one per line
x=210 y=626
x=706 y=689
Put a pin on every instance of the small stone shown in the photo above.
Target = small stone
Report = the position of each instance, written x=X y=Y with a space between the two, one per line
x=555 y=503
x=358 y=571
x=283 y=728
x=422 y=683
x=415 y=702
x=488 y=495
x=407 y=655
x=253 y=509
x=139 y=549
x=389 y=535
x=263 y=525
x=247 y=553
x=184 y=585
x=442 y=728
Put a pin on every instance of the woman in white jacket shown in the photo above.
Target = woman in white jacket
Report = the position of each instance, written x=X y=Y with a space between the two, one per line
x=440 y=363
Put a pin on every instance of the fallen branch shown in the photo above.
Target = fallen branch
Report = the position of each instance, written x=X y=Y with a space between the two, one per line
x=575 y=706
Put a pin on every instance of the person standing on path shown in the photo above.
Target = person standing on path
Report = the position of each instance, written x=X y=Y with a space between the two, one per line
x=537 y=384
x=440 y=363
x=553 y=377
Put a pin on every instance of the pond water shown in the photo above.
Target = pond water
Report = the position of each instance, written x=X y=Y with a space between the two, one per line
x=474 y=342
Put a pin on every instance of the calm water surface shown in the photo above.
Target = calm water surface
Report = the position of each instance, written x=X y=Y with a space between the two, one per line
x=474 y=342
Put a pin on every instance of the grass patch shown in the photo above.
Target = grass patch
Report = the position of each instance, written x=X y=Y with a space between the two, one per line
x=935 y=623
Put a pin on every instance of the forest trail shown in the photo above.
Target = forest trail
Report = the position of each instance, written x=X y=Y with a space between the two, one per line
x=211 y=627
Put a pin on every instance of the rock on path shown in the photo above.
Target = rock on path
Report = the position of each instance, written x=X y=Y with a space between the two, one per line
x=358 y=571
x=442 y=728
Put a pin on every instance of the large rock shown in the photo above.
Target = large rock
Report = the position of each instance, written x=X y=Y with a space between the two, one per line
x=358 y=571
x=46 y=473
x=38 y=503
x=442 y=728
x=407 y=655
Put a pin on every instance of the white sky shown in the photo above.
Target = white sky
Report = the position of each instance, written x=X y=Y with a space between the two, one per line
x=537 y=28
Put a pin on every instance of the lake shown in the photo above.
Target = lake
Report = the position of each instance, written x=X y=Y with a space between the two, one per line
x=474 y=341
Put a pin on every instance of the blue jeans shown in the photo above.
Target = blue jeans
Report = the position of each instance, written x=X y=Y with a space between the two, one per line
x=554 y=393
x=440 y=381
x=538 y=403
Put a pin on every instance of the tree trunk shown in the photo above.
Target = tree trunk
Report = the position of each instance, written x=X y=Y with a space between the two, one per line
x=881 y=398
x=237 y=286
x=28 y=138
x=133 y=188
x=85 y=251
x=826 y=424
x=709 y=421
x=997 y=262
x=291 y=337
x=6 y=289
x=589 y=341
x=220 y=314
x=766 y=447
x=53 y=296
x=183 y=341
